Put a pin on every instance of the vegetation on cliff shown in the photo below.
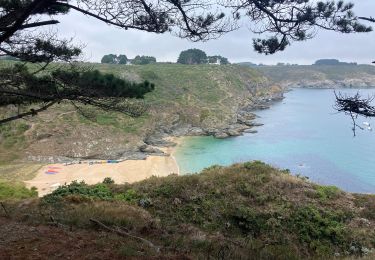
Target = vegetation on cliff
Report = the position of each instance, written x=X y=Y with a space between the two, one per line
x=353 y=75
x=197 y=95
x=244 y=211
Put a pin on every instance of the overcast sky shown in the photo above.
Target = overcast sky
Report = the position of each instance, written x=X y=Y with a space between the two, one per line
x=101 y=39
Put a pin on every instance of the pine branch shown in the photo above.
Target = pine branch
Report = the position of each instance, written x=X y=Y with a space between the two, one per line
x=32 y=25
x=370 y=19
x=25 y=15
x=32 y=112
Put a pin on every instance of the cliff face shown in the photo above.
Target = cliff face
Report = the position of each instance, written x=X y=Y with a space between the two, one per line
x=322 y=76
x=188 y=100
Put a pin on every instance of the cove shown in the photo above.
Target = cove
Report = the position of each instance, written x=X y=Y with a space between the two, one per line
x=302 y=133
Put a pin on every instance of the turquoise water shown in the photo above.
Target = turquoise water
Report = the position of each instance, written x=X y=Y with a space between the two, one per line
x=302 y=133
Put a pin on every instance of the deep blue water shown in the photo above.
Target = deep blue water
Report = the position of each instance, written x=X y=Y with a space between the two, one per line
x=302 y=133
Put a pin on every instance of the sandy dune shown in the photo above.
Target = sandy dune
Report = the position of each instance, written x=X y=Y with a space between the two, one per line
x=127 y=171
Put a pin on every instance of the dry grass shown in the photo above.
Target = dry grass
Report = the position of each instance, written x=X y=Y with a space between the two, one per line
x=18 y=172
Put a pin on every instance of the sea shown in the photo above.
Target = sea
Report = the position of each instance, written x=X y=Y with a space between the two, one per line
x=302 y=133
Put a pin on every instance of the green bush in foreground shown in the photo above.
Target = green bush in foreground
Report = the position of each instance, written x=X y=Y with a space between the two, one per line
x=248 y=209
x=16 y=191
x=84 y=191
x=98 y=191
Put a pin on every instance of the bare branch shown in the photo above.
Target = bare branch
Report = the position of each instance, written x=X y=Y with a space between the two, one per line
x=355 y=106
x=369 y=19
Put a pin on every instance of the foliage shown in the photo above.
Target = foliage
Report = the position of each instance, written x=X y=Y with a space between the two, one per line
x=327 y=192
x=232 y=211
x=122 y=59
x=250 y=221
x=258 y=166
x=192 y=56
x=10 y=191
x=98 y=191
x=108 y=180
x=81 y=191
x=319 y=229
x=130 y=195
x=109 y=58
x=255 y=201
x=218 y=58
x=114 y=59
x=89 y=87
x=105 y=85
x=367 y=204
x=282 y=18
x=143 y=60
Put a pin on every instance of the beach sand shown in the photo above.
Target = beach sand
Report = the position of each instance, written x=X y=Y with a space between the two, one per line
x=127 y=171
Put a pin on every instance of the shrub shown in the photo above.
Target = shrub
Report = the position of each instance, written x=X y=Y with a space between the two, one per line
x=319 y=229
x=258 y=167
x=367 y=202
x=98 y=191
x=130 y=195
x=254 y=165
x=214 y=167
x=16 y=191
x=247 y=189
x=108 y=180
x=166 y=190
x=261 y=171
x=327 y=192
x=250 y=221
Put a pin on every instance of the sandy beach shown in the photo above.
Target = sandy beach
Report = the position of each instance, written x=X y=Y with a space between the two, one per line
x=51 y=176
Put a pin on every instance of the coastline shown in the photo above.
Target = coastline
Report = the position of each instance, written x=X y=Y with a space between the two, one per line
x=158 y=155
x=51 y=176
x=154 y=158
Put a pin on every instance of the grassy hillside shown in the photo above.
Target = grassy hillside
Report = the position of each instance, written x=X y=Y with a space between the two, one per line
x=246 y=211
x=206 y=89
x=360 y=74
x=204 y=95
